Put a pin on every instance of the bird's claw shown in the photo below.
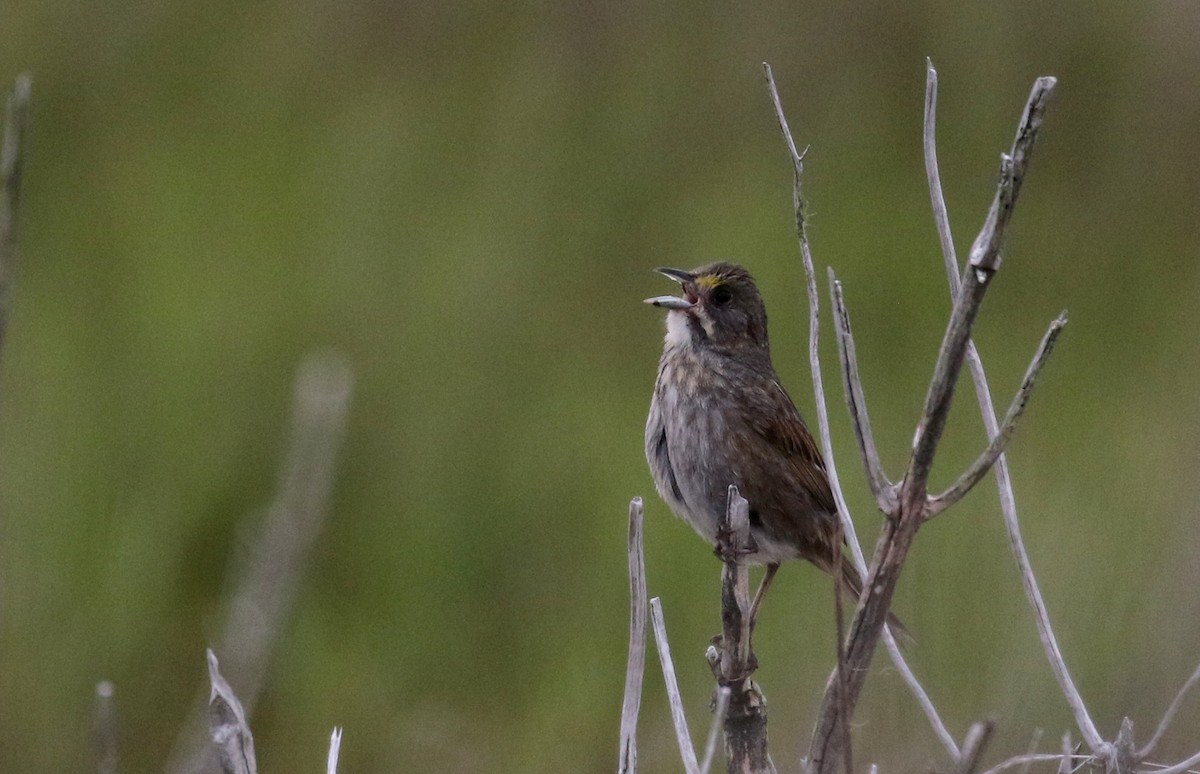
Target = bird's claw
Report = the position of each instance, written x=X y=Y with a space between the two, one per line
x=727 y=549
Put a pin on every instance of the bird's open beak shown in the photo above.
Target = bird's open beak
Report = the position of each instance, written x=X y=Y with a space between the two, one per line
x=685 y=279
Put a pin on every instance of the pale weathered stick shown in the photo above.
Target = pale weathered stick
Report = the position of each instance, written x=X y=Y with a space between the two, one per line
x=1022 y=760
x=840 y=651
x=12 y=162
x=973 y=746
x=1169 y=715
x=1064 y=766
x=733 y=542
x=227 y=724
x=1008 y=503
x=880 y=486
x=856 y=401
x=746 y=747
x=899 y=531
x=105 y=730
x=636 y=666
x=686 y=752
x=1182 y=766
x=335 y=749
x=1034 y=741
x=714 y=731
x=999 y=441
x=269 y=573
x=935 y=720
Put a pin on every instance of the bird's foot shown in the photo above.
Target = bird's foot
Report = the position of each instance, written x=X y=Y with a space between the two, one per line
x=727 y=549
x=738 y=673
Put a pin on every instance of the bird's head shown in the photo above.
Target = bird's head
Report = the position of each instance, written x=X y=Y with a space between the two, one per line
x=720 y=306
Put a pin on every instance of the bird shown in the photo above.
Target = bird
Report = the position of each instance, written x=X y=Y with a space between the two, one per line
x=720 y=416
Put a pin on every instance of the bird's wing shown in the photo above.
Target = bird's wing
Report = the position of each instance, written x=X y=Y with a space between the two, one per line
x=659 y=457
x=780 y=424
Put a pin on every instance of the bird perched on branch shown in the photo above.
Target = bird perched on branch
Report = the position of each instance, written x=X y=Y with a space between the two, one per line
x=720 y=416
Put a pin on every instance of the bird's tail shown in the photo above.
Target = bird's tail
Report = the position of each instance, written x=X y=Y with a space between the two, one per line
x=852 y=586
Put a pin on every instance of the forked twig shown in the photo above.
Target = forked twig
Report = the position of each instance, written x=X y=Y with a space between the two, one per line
x=260 y=598
x=335 y=750
x=999 y=441
x=935 y=720
x=1008 y=505
x=902 y=525
x=732 y=660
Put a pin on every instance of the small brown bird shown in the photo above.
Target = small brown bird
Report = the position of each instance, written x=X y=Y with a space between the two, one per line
x=720 y=416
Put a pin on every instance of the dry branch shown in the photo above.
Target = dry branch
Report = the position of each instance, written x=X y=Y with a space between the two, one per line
x=636 y=666
x=883 y=489
x=686 y=751
x=1008 y=503
x=720 y=710
x=973 y=746
x=734 y=662
x=903 y=523
x=1008 y=427
x=266 y=580
x=851 y=535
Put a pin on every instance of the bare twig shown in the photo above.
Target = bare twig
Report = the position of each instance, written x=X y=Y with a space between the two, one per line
x=733 y=663
x=12 y=162
x=899 y=531
x=935 y=720
x=1034 y=741
x=1064 y=766
x=941 y=217
x=733 y=542
x=1182 y=766
x=714 y=732
x=1023 y=760
x=260 y=599
x=1008 y=503
x=635 y=669
x=1000 y=440
x=972 y=748
x=227 y=725
x=335 y=749
x=105 y=729
x=1169 y=715
x=840 y=635
x=881 y=487
x=674 y=698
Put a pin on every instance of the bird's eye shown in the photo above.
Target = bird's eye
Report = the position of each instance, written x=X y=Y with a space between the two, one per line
x=722 y=295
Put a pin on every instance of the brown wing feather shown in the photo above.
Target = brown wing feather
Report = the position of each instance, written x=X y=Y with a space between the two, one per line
x=786 y=430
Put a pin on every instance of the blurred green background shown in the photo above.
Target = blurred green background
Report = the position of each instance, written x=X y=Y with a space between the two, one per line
x=466 y=200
